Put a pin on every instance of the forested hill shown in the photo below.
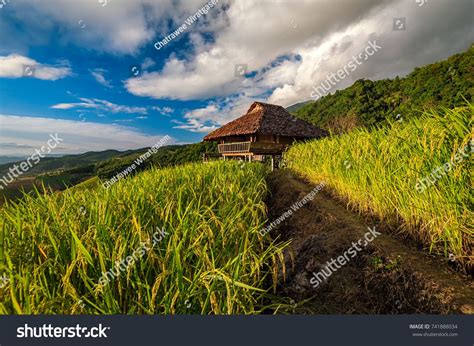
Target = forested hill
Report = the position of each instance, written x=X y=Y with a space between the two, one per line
x=448 y=83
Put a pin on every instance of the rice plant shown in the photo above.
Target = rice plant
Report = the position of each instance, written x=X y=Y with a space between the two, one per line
x=209 y=259
x=378 y=172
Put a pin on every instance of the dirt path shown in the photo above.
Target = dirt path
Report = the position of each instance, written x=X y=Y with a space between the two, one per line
x=388 y=276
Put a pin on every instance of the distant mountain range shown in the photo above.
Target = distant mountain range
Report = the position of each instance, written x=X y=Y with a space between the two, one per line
x=7 y=159
x=48 y=164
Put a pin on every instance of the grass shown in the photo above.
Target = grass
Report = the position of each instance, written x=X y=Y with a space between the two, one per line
x=87 y=184
x=54 y=248
x=378 y=172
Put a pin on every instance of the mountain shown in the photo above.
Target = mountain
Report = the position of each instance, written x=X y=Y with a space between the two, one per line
x=447 y=84
x=7 y=159
x=165 y=157
x=66 y=162
x=297 y=106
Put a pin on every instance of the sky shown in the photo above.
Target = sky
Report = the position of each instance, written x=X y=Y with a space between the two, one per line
x=91 y=70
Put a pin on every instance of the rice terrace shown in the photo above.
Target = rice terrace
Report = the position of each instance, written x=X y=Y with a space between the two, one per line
x=175 y=188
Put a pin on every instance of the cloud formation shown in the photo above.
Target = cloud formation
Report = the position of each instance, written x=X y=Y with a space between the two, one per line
x=18 y=66
x=101 y=105
x=99 y=76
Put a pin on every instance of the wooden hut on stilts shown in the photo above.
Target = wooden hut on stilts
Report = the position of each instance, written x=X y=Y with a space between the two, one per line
x=264 y=132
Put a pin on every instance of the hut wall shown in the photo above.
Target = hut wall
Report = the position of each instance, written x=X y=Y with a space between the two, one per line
x=266 y=138
x=233 y=139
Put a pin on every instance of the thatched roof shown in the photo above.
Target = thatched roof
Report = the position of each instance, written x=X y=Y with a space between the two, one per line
x=267 y=119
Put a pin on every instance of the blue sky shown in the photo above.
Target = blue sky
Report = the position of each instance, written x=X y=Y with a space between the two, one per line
x=89 y=71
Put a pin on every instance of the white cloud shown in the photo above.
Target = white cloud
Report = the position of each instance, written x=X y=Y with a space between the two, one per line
x=98 y=74
x=197 y=118
x=101 y=105
x=215 y=114
x=147 y=63
x=18 y=66
x=97 y=106
x=163 y=110
x=252 y=33
x=21 y=135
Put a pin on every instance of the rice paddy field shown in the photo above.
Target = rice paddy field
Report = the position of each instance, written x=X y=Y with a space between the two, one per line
x=378 y=172
x=191 y=233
